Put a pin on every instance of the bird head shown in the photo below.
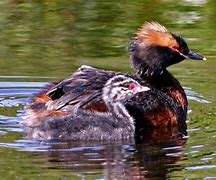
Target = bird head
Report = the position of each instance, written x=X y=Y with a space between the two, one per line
x=154 y=48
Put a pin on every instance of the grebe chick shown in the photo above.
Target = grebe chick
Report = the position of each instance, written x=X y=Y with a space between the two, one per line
x=117 y=124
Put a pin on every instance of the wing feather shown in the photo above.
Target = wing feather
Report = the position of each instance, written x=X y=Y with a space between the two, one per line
x=81 y=89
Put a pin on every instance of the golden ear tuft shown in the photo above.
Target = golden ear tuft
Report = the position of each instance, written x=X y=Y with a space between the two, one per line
x=154 y=26
x=156 y=34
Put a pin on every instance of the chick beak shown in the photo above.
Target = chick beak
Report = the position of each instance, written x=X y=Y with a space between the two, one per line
x=193 y=55
x=141 y=89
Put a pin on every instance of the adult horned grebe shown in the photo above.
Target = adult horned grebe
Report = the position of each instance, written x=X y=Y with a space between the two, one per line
x=152 y=50
x=82 y=124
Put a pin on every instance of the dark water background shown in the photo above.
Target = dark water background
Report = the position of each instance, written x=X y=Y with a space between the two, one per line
x=43 y=41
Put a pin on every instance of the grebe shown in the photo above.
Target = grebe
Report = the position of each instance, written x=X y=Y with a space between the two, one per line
x=116 y=124
x=153 y=49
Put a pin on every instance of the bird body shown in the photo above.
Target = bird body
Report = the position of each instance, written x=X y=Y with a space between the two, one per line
x=82 y=124
x=153 y=49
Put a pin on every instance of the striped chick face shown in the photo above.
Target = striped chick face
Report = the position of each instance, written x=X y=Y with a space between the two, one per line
x=121 y=87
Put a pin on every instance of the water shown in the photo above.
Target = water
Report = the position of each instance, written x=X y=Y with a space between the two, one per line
x=44 y=41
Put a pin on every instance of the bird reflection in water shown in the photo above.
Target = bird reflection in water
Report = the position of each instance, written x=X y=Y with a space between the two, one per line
x=154 y=155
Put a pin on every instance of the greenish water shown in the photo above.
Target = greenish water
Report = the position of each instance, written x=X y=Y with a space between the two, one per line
x=43 y=41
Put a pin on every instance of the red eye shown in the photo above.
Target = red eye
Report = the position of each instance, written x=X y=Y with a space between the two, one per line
x=175 y=47
x=132 y=86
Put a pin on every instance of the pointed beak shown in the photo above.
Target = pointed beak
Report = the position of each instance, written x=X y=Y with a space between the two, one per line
x=193 y=55
x=141 y=89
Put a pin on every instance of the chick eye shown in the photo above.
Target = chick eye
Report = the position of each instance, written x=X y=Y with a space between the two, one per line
x=132 y=86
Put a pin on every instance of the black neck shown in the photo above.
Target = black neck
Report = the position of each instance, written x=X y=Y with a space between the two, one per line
x=169 y=85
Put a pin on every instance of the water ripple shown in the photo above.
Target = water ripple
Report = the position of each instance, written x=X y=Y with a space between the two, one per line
x=201 y=167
